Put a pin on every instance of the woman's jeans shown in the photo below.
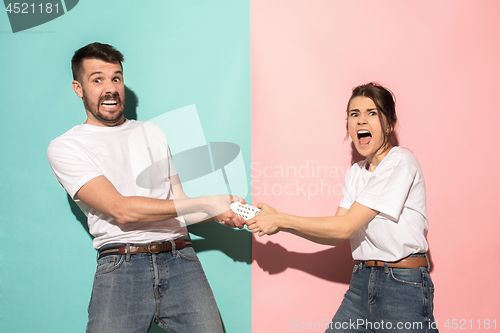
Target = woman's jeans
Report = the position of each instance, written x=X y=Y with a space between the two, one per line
x=132 y=291
x=383 y=299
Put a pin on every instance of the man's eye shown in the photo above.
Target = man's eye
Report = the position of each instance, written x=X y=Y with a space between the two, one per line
x=117 y=79
x=97 y=80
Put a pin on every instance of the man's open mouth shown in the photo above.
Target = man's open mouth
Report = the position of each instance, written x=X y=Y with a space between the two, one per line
x=364 y=137
x=110 y=101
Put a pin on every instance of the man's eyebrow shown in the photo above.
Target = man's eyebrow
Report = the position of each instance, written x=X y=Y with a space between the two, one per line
x=99 y=72
x=95 y=73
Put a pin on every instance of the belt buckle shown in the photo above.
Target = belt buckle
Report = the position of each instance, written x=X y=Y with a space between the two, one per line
x=149 y=248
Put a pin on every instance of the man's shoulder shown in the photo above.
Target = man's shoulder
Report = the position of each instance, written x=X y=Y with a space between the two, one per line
x=73 y=132
x=82 y=130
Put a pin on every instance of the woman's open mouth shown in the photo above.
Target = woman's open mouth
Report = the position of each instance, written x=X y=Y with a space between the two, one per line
x=364 y=137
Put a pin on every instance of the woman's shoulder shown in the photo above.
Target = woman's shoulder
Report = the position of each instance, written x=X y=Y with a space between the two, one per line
x=405 y=154
x=404 y=157
x=355 y=170
x=356 y=166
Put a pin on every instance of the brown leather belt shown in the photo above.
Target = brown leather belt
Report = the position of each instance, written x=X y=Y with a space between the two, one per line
x=149 y=248
x=408 y=262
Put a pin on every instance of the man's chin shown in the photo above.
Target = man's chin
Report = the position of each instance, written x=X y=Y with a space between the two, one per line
x=110 y=119
x=114 y=121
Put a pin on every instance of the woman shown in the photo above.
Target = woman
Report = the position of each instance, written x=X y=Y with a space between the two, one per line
x=382 y=213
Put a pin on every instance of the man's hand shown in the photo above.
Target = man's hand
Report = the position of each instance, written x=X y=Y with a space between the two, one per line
x=227 y=217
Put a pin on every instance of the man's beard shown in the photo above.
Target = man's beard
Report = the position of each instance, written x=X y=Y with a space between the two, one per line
x=108 y=117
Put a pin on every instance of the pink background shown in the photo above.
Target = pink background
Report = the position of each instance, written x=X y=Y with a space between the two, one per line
x=442 y=61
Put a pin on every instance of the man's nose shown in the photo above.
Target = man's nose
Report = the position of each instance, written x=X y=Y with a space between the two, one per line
x=110 y=87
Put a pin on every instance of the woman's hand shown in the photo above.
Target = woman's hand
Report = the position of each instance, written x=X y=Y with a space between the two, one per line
x=267 y=222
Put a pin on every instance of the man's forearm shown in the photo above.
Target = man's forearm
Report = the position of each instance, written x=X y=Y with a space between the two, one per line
x=142 y=210
x=100 y=194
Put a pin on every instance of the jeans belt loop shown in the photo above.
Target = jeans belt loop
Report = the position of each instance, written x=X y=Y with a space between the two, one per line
x=174 y=253
x=127 y=252
x=386 y=267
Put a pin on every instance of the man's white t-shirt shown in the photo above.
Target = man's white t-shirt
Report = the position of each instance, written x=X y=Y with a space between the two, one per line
x=396 y=189
x=135 y=158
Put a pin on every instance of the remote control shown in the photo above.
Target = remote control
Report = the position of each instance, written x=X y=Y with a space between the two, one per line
x=245 y=211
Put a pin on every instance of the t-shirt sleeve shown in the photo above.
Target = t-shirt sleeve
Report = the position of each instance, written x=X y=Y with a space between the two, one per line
x=347 y=193
x=171 y=166
x=387 y=189
x=172 y=169
x=70 y=169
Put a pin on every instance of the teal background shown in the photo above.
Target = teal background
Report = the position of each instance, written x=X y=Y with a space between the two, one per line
x=177 y=53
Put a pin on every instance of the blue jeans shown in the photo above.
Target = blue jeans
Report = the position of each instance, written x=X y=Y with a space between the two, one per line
x=383 y=299
x=171 y=289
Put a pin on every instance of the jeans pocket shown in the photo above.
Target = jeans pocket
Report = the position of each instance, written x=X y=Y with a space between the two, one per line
x=188 y=254
x=109 y=264
x=430 y=300
x=428 y=294
x=357 y=267
x=408 y=276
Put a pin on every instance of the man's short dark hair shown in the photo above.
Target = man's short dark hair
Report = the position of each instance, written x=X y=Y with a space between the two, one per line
x=104 y=52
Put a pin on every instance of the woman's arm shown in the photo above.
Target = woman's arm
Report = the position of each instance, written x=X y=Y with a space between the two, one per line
x=321 y=240
x=331 y=230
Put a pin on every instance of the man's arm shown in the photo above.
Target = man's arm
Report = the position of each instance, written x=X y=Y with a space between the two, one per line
x=202 y=217
x=100 y=194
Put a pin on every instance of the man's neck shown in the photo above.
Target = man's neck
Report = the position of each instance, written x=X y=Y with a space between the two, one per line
x=95 y=122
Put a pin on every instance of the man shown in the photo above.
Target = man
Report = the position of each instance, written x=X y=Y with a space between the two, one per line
x=121 y=175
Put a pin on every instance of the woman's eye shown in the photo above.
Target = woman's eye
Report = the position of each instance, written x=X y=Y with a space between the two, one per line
x=373 y=113
x=353 y=114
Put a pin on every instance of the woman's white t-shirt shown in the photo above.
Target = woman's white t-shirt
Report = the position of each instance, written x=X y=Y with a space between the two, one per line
x=396 y=189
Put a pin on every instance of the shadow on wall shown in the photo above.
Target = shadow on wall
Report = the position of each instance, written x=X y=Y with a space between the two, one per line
x=131 y=104
x=334 y=264
x=234 y=243
x=79 y=215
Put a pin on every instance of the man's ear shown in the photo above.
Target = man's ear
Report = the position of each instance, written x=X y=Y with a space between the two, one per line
x=77 y=87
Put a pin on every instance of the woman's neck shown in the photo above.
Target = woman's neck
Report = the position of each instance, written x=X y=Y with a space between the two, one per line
x=374 y=161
